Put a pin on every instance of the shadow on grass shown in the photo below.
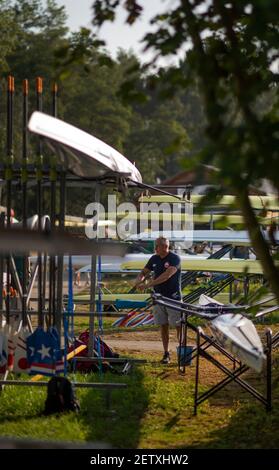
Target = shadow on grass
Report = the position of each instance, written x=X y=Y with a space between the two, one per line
x=250 y=428
x=21 y=412
x=249 y=425
x=172 y=422
x=119 y=425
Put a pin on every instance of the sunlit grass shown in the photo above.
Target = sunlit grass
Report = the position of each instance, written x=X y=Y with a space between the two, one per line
x=156 y=410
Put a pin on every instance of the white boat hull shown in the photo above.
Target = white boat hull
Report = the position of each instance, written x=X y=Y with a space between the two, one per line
x=238 y=335
x=80 y=152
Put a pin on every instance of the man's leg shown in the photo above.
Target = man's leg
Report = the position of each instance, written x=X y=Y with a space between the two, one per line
x=165 y=336
x=161 y=319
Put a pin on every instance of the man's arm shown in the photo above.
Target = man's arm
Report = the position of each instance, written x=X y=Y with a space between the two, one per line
x=163 y=277
x=141 y=276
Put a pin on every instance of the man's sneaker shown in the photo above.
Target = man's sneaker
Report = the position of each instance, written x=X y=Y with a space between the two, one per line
x=166 y=358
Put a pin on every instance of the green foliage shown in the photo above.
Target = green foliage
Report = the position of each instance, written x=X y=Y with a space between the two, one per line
x=8 y=35
x=232 y=47
x=94 y=93
x=233 y=56
x=157 y=141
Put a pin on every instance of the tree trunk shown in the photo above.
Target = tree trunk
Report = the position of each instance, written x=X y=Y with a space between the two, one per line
x=258 y=242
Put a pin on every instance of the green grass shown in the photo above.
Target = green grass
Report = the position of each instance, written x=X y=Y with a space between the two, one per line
x=155 y=411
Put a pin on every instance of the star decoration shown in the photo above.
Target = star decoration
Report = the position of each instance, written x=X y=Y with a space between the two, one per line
x=44 y=351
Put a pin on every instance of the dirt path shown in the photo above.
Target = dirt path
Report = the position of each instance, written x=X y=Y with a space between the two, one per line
x=139 y=345
x=138 y=341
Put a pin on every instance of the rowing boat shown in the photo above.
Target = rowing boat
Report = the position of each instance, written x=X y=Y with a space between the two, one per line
x=206 y=218
x=231 y=329
x=239 y=335
x=223 y=237
x=195 y=263
x=269 y=202
x=79 y=152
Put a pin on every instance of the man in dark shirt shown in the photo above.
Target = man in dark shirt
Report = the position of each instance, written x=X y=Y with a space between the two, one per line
x=166 y=267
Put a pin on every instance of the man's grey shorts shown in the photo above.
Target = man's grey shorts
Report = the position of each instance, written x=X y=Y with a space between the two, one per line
x=166 y=316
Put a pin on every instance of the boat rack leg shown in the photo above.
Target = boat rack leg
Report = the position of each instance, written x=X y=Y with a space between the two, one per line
x=182 y=343
x=233 y=376
x=197 y=371
x=215 y=388
x=209 y=341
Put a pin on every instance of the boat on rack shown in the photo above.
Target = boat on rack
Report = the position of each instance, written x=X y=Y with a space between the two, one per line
x=81 y=153
x=238 y=334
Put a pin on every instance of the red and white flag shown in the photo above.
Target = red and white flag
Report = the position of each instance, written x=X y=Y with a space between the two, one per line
x=21 y=364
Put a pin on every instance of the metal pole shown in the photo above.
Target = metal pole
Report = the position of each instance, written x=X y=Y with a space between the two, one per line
x=183 y=344
x=93 y=287
x=39 y=175
x=8 y=176
x=99 y=303
x=197 y=373
x=53 y=179
x=211 y=228
x=181 y=370
x=59 y=309
x=269 y=370
x=24 y=195
x=231 y=284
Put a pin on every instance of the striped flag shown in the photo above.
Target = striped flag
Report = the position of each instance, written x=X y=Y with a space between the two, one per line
x=20 y=351
x=44 y=352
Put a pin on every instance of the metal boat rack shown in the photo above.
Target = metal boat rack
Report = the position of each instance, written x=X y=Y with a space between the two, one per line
x=45 y=174
x=204 y=342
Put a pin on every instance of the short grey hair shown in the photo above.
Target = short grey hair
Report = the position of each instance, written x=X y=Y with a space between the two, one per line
x=162 y=241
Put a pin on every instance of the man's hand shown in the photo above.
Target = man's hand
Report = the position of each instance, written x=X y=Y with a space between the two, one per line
x=140 y=284
x=141 y=287
x=137 y=284
x=144 y=286
x=141 y=278
x=148 y=285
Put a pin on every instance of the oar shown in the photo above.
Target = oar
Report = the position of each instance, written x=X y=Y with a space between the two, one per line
x=8 y=177
x=39 y=176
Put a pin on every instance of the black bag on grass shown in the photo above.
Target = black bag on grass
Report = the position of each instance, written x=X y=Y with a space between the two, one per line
x=60 y=396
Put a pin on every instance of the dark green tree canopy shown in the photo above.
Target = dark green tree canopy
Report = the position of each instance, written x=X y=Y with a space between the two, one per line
x=93 y=90
x=233 y=55
x=233 y=48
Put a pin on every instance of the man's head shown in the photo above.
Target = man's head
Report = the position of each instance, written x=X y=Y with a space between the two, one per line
x=162 y=246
